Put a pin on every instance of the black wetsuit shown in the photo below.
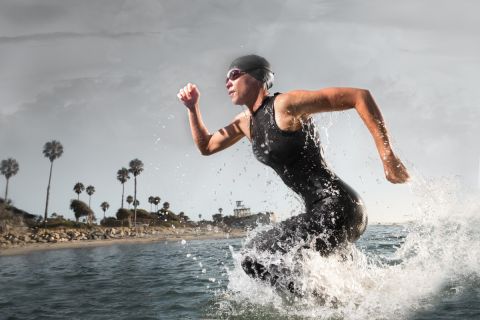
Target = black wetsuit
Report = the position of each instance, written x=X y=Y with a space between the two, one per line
x=334 y=211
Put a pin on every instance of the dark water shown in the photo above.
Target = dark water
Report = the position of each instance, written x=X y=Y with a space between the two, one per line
x=186 y=281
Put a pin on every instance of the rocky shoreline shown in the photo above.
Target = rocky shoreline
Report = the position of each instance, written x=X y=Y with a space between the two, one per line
x=24 y=241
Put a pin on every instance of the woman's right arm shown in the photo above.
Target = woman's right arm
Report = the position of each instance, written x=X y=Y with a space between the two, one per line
x=207 y=143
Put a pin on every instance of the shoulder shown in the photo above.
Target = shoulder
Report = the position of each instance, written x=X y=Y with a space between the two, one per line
x=242 y=121
x=290 y=102
x=242 y=117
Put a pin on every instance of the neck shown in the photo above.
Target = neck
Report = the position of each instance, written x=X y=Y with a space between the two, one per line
x=256 y=101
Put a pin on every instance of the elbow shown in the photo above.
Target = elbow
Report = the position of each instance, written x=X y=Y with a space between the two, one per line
x=205 y=152
x=364 y=94
x=363 y=97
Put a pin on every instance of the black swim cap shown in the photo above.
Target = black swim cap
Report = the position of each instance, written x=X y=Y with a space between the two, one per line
x=256 y=66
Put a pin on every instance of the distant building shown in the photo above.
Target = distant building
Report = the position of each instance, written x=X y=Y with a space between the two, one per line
x=241 y=210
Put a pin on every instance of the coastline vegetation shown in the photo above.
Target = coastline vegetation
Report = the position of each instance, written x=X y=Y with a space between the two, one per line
x=16 y=224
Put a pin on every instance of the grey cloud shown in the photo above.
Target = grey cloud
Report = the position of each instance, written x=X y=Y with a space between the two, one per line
x=102 y=78
x=30 y=14
x=72 y=36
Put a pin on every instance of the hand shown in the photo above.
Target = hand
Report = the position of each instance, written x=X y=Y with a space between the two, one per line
x=395 y=171
x=189 y=95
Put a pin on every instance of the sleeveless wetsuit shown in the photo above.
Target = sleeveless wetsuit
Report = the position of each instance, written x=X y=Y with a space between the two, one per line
x=334 y=212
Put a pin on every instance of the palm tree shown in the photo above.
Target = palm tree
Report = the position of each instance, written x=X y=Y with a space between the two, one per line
x=151 y=200
x=123 y=176
x=200 y=217
x=104 y=207
x=9 y=168
x=78 y=188
x=52 y=150
x=90 y=190
x=166 y=206
x=129 y=201
x=156 y=201
x=136 y=167
x=136 y=203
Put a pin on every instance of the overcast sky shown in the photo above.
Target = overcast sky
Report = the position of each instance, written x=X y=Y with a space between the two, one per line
x=102 y=77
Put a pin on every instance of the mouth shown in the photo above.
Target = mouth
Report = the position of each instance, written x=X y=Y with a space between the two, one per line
x=230 y=93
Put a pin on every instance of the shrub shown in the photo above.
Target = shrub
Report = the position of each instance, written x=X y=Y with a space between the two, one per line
x=80 y=209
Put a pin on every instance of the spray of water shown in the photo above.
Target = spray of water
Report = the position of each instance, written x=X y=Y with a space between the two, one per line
x=441 y=248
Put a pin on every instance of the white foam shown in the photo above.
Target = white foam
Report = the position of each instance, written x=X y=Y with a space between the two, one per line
x=442 y=246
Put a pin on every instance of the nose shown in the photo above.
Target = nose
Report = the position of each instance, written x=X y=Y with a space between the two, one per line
x=228 y=84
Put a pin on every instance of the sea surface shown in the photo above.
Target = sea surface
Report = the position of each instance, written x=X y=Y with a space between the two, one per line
x=388 y=275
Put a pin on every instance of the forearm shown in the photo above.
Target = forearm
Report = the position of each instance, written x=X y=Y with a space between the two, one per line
x=373 y=119
x=200 y=133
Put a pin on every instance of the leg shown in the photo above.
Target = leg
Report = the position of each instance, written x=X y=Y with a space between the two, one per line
x=291 y=233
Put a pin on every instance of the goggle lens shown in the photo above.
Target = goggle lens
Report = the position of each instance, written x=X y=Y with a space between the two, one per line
x=234 y=74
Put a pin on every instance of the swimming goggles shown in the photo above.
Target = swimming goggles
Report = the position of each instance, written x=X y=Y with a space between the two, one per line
x=234 y=74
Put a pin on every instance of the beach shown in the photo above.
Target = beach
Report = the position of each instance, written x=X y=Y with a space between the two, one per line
x=59 y=239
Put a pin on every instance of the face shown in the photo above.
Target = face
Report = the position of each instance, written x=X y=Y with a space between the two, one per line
x=241 y=87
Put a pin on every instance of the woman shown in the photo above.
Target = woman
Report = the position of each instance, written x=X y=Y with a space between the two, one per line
x=283 y=137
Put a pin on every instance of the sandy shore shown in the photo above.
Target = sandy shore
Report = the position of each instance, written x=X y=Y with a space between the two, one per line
x=34 y=247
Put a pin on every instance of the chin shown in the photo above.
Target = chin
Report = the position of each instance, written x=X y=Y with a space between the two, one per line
x=235 y=101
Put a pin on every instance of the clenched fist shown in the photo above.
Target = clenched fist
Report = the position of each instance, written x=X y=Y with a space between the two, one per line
x=395 y=171
x=189 y=95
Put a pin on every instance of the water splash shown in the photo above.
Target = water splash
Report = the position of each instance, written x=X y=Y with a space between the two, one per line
x=441 y=248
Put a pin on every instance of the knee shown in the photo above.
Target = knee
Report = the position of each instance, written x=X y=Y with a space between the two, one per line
x=253 y=268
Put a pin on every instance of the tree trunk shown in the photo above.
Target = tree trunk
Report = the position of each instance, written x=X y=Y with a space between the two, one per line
x=48 y=195
x=78 y=196
x=6 y=193
x=89 y=200
x=123 y=192
x=135 y=203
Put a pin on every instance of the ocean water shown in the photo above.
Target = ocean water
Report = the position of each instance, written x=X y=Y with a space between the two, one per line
x=427 y=269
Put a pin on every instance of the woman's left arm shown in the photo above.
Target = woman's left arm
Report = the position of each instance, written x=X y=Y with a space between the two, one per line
x=301 y=104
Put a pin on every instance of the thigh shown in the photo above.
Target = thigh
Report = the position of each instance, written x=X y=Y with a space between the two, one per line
x=341 y=216
x=284 y=235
